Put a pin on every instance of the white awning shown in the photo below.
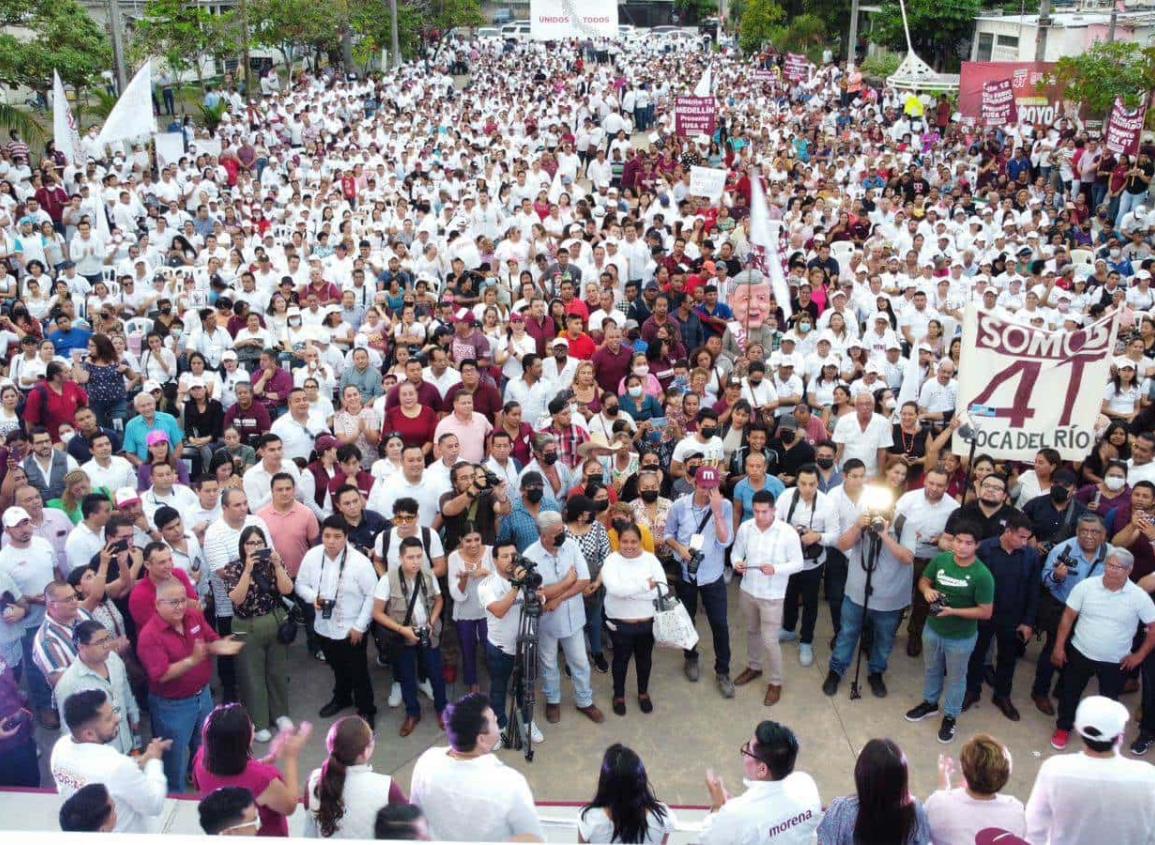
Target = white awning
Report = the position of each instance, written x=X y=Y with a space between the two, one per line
x=916 y=75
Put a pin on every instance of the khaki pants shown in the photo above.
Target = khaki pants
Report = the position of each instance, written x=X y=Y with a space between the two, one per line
x=763 y=622
x=263 y=670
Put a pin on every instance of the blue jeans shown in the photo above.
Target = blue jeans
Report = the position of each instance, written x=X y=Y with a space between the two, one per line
x=594 y=618
x=576 y=657
x=885 y=625
x=180 y=720
x=39 y=693
x=406 y=672
x=500 y=670
x=109 y=410
x=949 y=658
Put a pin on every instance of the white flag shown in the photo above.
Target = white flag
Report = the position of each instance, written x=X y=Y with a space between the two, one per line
x=64 y=134
x=132 y=115
x=764 y=243
x=705 y=85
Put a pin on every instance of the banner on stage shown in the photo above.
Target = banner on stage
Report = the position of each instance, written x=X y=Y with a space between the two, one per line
x=707 y=182
x=695 y=115
x=1025 y=389
x=558 y=20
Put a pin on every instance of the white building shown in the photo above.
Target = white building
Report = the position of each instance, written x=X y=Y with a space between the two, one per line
x=1011 y=38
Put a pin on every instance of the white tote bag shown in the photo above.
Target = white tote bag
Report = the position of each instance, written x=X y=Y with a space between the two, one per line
x=673 y=627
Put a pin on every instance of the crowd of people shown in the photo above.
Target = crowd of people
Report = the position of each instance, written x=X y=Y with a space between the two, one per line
x=362 y=360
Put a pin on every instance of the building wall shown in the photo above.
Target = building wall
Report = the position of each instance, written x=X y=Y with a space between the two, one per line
x=1004 y=40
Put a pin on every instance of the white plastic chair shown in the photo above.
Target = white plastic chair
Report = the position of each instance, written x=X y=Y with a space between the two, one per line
x=141 y=325
x=1082 y=256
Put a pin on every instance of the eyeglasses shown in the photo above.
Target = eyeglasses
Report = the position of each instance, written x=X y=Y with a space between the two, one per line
x=746 y=752
x=404 y=518
x=105 y=642
x=175 y=602
x=254 y=542
x=66 y=599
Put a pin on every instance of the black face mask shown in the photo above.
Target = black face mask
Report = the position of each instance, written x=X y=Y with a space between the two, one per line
x=549 y=460
x=825 y=463
x=786 y=435
x=534 y=495
x=1059 y=495
x=611 y=410
x=692 y=471
x=602 y=507
x=708 y=431
x=621 y=525
x=596 y=479
x=649 y=496
x=650 y=467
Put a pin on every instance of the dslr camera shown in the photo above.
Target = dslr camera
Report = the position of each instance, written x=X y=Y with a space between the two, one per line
x=326 y=607
x=424 y=636
x=937 y=606
x=530 y=579
x=491 y=478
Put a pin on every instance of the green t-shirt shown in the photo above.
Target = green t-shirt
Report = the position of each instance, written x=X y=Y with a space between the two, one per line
x=963 y=587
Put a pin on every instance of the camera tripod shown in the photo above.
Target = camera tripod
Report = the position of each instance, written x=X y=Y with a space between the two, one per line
x=523 y=682
x=869 y=563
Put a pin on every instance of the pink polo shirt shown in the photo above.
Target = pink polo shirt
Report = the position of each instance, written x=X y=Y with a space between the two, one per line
x=471 y=434
x=294 y=532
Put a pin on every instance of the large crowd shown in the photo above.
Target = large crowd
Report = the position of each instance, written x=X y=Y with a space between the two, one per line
x=359 y=365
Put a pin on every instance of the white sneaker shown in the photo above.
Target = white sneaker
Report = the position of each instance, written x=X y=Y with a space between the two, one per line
x=806 y=654
x=263 y=735
x=284 y=723
x=395 y=695
x=534 y=732
x=426 y=689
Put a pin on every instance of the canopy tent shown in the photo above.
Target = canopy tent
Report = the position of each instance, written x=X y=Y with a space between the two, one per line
x=916 y=75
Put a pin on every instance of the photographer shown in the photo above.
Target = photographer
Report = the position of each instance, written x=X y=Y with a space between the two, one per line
x=1053 y=514
x=1068 y=563
x=960 y=591
x=477 y=499
x=339 y=582
x=503 y=603
x=256 y=580
x=407 y=603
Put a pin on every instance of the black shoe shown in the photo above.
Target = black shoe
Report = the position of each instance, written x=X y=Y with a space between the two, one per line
x=830 y=685
x=877 y=685
x=946 y=730
x=333 y=708
x=917 y=714
x=600 y=663
x=370 y=718
x=645 y=703
x=1142 y=744
x=619 y=706
x=969 y=700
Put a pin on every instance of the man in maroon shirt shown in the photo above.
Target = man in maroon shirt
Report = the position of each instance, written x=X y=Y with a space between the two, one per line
x=427 y=394
x=248 y=417
x=612 y=359
x=159 y=569
x=271 y=384
x=539 y=325
x=486 y=399
x=175 y=648
x=660 y=317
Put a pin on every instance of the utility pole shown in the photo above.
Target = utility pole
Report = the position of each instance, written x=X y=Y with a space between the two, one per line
x=395 y=36
x=116 y=36
x=852 y=38
x=1041 y=32
x=1113 y=21
x=243 y=11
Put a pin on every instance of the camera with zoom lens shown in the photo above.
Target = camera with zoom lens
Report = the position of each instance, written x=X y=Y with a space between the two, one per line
x=530 y=579
x=492 y=479
x=326 y=607
x=938 y=605
x=877 y=523
x=424 y=636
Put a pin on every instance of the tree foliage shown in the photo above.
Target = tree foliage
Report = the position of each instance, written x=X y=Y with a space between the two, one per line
x=1106 y=71
x=937 y=28
x=802 y=34
x=760 y=19
x=45 y=35
x=186 y=34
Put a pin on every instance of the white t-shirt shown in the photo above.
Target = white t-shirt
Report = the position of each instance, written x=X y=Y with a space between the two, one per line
x=782 y=812
x=863 y=445
x=501 y=632
x=1079 y=799
x=711 y=450
x=474 y=800
x=594 y=825
x=1107 y=618
x=139 y=794
x=956 y=818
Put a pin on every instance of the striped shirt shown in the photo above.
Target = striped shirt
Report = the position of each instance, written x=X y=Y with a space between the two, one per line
x=52 y=650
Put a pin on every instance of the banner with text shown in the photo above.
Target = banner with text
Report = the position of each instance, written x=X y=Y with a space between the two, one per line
x=1026 y=389
x=1124 y=127
x=557 y=20
x=695 y=115
x=998 y=104
x=796 y=67
x=1031 y=104
x=707 y=182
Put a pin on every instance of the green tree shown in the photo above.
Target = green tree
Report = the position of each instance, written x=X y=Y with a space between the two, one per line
x=759 y=21
x=293 y=26
x=937 y=29
x=693 y=11
x=63 y=38
x=185 y=34
x=805 y=33
x=1106 y=71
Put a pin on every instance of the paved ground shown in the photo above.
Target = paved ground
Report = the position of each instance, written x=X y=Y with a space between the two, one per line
x=692 y=727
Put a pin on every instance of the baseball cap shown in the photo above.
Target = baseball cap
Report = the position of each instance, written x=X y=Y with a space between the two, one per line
x=324 y=442
x=229 y=355
x=998 y=836
x=1066 y=477
x=195 y=381
x=150 y=386
x=708 y=478
x=155 y=437
x=559 y=341
x=1098 y=718
x=14 y=516
x=125 y=496
x=787 y=421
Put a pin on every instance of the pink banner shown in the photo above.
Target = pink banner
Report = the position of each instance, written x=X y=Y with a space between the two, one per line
x=796 y=67
x=695 y=115
x=1124 y=127
x=997 y=107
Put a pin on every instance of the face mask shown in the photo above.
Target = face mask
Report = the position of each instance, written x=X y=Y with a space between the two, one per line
x=621 y=525
x=602 y=507
x=786 y=435
x=596 y=479
x=534 y=496
x=641 y=370
x=755 y=380
x=636 y=391
x=825 y=463
x=803 y=328
x=611 y=410
x=166 y=309
x=708 y=431
x=649 y=496
x=549 y=460
x=692 y=471
x=1059 y=495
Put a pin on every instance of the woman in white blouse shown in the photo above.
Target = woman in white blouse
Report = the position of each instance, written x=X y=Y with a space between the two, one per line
x=631 y=577
x=344 y=795
x=624 y=808
x=468 y=567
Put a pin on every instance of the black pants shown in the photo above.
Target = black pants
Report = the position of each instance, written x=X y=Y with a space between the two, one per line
x=1007 y=645
x=226 y=666
x=632 y=639
x=19 y=765
x=714 y=602
x=834 y=581
x=1078 y=671
x=919 y=609
x=309 y=614
x=802 y=585
x=1147 y=721
x=350 y=665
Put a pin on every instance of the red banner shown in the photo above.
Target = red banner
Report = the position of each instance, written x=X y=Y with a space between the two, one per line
x=1031 y=105
x=796 y=67
x=1124 y=127
x=695 y=115
x=998 y=104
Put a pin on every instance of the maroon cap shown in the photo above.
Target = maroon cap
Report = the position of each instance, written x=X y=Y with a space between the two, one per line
x=708 y=478
x=324 y=443
x=998 y=836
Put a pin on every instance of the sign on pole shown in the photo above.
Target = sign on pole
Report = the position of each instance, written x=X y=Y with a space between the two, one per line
x=998 y=104
x=558 y=20
x=1026 y=389
x=1124 y=127
x=695 y=115
x=707 y=182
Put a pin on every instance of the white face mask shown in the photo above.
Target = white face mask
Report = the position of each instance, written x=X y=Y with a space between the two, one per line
x=1115 y=483
x=641 y=370
x=636 y=391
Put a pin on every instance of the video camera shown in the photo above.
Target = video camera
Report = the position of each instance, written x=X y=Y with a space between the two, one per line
x=492 y=479
x=531 y=579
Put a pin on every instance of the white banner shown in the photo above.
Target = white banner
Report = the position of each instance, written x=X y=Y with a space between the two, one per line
x=1026 y=389
x=707 y=182
x=132 y=115
x=557 y=20
x=705 y=86
x=764 y=243
x=169 y=147
x=64 y=134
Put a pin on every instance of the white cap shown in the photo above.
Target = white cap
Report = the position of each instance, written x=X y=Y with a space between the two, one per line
x=14 y=516
x=1097 y=718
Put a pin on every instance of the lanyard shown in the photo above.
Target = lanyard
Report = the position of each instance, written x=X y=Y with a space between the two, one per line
x=340 y=570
